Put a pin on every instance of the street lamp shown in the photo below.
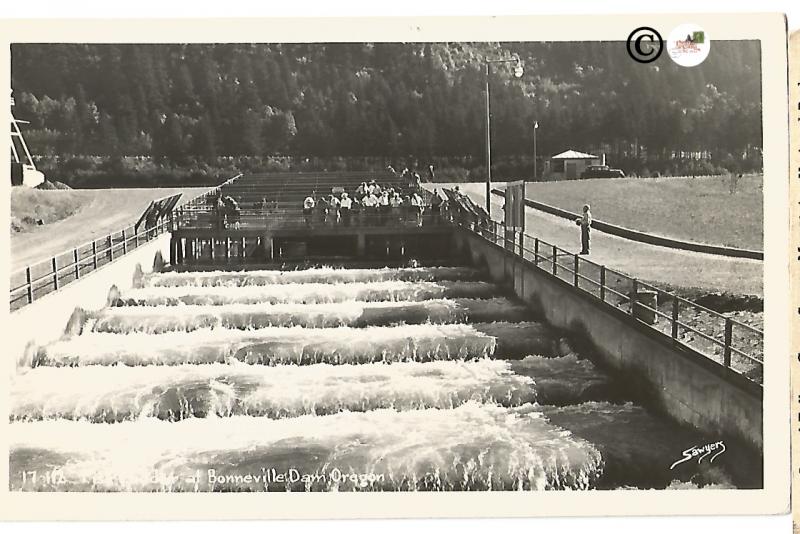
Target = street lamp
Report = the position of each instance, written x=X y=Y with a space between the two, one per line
x=518 y=72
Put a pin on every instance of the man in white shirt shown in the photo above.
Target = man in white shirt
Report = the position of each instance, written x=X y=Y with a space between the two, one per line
x=417 y=208
x=370 y=203
x=383 y=207
x=334 y=204
x=344 y=208
x=308 y=209
x=396 y=204
x=585 y=222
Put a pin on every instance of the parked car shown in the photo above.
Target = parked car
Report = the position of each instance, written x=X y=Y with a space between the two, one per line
x=602 y=171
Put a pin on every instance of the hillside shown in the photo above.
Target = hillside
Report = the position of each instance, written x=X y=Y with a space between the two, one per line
x=181 y=103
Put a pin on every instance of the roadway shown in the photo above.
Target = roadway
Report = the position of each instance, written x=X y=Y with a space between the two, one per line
x=108 y=210
x=661 y=266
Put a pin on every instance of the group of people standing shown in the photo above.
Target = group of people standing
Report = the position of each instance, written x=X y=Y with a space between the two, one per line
x=227 y=212
x=370 y=204
x=373 y=204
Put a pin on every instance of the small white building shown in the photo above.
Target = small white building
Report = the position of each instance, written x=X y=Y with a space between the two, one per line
x=569 y=164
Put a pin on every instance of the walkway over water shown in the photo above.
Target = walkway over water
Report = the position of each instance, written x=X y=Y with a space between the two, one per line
x=269 y=224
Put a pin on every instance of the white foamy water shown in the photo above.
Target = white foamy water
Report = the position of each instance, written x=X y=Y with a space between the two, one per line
x=302 y=346
x=312 y=293
x=327 y=275
x=112 y=394
x=295 y=345
x=160 y=319
x=472 y=447
x=326 y=380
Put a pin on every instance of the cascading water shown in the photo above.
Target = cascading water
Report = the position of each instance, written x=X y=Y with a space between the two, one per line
x=329 y=379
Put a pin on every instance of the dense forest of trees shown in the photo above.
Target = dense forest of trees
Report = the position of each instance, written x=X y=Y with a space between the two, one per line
x=183 y=104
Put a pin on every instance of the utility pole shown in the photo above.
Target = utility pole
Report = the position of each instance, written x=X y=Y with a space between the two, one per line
x=488 y=141
x=518 y=71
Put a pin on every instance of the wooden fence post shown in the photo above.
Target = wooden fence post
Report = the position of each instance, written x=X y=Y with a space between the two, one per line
x=536 y=251
x=675 y=310
x=726 y=359
x=603 y=283
x=94 y=255
x=110 y=248
x=576 y=269
x=555 y=261
x=55 y=274
x=30 y=284
x=77 y=264
x=124 y=242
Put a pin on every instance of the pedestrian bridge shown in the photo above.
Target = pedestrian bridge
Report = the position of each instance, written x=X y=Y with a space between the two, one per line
x=269 y=225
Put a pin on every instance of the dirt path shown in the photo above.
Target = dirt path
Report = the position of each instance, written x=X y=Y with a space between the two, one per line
x=651 y=263
x=107 y=210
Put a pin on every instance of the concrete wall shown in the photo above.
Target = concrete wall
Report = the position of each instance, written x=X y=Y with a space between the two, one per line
x=45 y=319
x=687 y=386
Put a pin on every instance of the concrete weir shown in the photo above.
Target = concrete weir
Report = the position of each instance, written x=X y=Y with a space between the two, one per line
x=686 y=385
x=46 y=319
x=404 y=372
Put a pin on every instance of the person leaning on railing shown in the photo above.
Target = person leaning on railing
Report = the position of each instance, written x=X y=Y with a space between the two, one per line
x=436 y=206
x=308 y=209
x=219 y=212
x=396 y=206
x=369 y=208
x=345 y=205
x=417 y=207
x=383 y=208
x=322 y=208
x=333 y=209
x=408 y=210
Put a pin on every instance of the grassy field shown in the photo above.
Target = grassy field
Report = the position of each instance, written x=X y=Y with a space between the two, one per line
x=33 y=207
x=702 y=210
x=688 y=273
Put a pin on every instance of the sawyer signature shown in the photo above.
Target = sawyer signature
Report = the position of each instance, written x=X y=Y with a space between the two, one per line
x=701 y=452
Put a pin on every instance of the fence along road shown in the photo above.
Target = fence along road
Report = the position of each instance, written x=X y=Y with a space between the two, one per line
x=40 y=278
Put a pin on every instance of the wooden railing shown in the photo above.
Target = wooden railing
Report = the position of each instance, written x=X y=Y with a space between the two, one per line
x=42 y=278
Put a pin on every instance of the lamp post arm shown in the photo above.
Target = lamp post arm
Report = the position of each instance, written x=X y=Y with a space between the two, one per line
x=488 y=140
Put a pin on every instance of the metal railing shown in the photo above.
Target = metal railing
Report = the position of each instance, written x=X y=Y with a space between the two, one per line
x=203 y=199
x=47 y=276
x=192 y=218
x=731 y=343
